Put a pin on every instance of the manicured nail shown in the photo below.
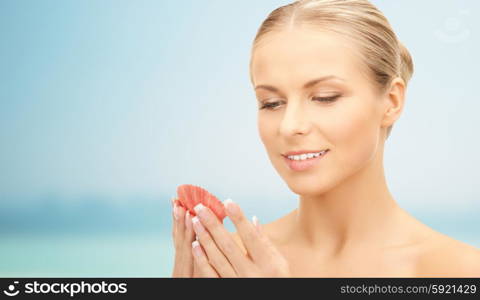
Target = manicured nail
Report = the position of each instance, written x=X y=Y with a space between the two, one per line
x=198 y=208
x=230 y=206
x=257 y=224
x=255 y=221
x=197 y=226
x=196 y=248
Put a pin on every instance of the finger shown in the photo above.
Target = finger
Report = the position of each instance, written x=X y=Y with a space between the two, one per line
x=195 y=269
x=183 y=266
x=180 y=250
x=189 y=232
x=258 y=245
x=174 y=203
x=196 y=273
x=203 y=268
x=215 y=257
x=222 y=239
x=180 y=230
x=187 y=262
x=175 y=272
x=174 y=219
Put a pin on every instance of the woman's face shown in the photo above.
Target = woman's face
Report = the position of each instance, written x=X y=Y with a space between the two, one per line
x=295 y=119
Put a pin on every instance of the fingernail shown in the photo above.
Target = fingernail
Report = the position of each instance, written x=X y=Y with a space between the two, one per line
x=175 y=212
x=230 y=206
x=196 y=248
x=197 y=226
x=257 y=224
x=198 y=208
x=255 y=221
x=187 y=215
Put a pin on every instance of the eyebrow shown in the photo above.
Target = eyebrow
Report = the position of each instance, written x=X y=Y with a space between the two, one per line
x=305 y=86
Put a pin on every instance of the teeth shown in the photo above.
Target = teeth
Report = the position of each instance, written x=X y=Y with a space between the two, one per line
x=306 y=155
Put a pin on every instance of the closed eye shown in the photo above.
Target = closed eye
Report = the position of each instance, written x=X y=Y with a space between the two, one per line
x=273 y=105
x=326 y=99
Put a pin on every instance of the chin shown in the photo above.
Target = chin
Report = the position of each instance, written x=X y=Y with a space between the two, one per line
x=309 y=184
x=310 y=189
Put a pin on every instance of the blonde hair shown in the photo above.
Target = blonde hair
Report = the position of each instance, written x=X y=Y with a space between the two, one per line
x=384 y=55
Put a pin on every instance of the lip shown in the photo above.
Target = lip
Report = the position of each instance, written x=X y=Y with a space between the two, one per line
x=301 y=165
x=301 y=152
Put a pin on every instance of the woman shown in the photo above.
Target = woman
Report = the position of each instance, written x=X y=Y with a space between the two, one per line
x=330 y=77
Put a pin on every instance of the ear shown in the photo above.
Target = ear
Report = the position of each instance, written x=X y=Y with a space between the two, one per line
x=394 y=102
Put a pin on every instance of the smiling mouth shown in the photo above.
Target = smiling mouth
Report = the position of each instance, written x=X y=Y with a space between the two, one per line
x=303 y=162
x=307 y=156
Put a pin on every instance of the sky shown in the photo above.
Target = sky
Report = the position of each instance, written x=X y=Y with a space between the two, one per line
x=123 y=99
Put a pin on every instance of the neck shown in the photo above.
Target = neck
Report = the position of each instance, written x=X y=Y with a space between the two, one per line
x=360 y=210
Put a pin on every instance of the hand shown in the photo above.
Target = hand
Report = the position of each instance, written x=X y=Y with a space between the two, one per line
x=183 y=236
x=216 y=254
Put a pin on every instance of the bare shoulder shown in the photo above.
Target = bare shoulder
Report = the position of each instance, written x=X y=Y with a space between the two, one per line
x=443 y=256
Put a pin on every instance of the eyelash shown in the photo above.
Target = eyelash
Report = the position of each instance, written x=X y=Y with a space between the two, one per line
x=272 y=105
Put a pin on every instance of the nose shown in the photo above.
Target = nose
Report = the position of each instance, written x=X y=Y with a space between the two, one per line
x=295 y=120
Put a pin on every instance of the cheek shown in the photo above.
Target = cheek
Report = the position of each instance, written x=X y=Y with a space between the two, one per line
x=355 y=137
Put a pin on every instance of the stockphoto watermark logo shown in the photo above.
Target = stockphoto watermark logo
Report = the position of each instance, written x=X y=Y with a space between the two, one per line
x=455 y=28
x=11 y=291
x=70 y=288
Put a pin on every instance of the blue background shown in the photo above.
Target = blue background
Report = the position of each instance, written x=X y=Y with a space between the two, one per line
x=107 y=106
